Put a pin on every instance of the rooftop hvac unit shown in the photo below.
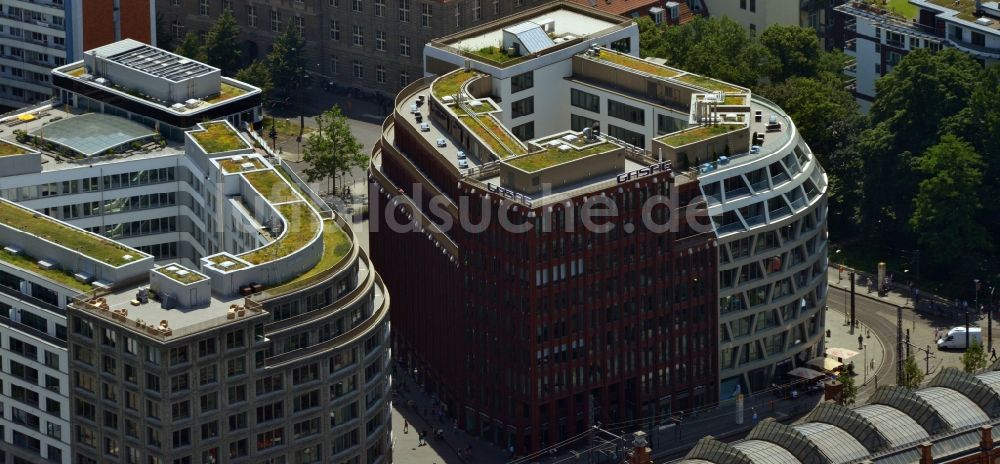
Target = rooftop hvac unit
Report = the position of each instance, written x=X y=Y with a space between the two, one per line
x=178 y=107
x=984 y=21
x=13 y=249
x=101 y=80
x=192 y=103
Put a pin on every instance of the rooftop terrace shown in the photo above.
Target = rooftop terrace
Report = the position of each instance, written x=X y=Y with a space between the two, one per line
x=301 y=225
x=626 y=61
x=552 y=154
x=8 y=149
x=92 y=245
x=697 y=134
x=218 y=137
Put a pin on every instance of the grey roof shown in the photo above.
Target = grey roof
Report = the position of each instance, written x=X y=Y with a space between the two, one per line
x=115 y=48
x=765 y=452
x=956 y=409
x=836 y=444
x=532 y=37
x=895 y=425
x=162 y=63
x=93 y=133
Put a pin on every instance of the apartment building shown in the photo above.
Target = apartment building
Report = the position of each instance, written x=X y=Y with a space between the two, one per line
x=372 y=45
x=199 y=302
x=38 y=35
x=534 y=326
x=660 y=11
x=879 y=37
x=757 y=15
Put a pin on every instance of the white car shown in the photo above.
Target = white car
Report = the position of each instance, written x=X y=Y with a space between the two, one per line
x=461 y=155
x=424 y=127
x=442 y=143
x=463 y=164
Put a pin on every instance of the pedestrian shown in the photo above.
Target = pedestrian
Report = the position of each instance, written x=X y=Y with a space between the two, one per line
x=406 y=426
x=422 y=435
x=861 y=342
x=754 y=418
x=873 y=365
x=993 y=354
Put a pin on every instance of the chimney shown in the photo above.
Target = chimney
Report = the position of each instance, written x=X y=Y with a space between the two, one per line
x=986 y=443
x=925 y=453
x=641 y=453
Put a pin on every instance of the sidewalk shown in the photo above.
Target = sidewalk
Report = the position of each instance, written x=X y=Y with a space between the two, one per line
x=871 y=353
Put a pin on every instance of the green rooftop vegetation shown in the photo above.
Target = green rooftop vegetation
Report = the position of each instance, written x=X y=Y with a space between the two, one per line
x=494 y=135
x=696 y=134
x=219 y=259
x=225 y=93
x=734 y=100
x=484 y=107
x=301 y=226
x=336 y=246
x=271 y=186
x=218 y=137
x=188 y=277
x=707 y=83
x=7 y=149
x=552 y=156
x=966 y=8
x=495 y=54
x=637 y=64
x=91 y=245
x=77 y=72
x=31 y=264
x=233 y=166
x=450 y=84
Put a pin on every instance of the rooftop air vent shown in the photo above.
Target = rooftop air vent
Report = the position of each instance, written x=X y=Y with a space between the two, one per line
x=178 y=107
x=13 y=249
x=984 y=21
x=101 y=80
x=47 y=265
x=192 y=103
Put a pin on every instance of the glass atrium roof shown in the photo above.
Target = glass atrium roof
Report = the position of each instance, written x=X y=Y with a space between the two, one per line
x=93 y=133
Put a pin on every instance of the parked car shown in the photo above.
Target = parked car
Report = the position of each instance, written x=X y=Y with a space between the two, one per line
x=442 y=142
x=463 y=164
x=424 y=127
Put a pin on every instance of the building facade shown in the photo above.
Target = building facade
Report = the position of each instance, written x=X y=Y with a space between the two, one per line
x=186 y=301
x=376 y=46
x=561 y=325
x=757 y=15
x=37 y=36
x=878 y=38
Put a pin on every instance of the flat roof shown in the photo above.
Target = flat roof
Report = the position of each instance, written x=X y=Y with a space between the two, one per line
x=93 y=133
x=567 y=22
x=153 y=61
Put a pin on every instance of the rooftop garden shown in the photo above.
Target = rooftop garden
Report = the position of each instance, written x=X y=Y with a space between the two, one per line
x=552 y=156
x=218 y=137
x=226 y=92
x=91 y=245
x=492 y=53
x=336 y=246
x=271 y=186
x=31 y=264
x=734 y=100
x=232 y=166
x=494 y=135
x=697 y=134
x=7 y=149
x=966 y=8
x=219 y=259
x=484 y=107
x=180 y=274
x=637 y=64
x=301 y=226
x=708 y=83
x=451 y=84
x=77 y=72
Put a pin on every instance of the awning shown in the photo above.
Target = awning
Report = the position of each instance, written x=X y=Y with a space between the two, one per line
x=805 y=373
x=842 y=353
x=825 y=364
x=26 y=117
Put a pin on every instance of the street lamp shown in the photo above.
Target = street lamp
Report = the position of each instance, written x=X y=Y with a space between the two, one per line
x=865 y=349
x=840 y=267
x=273 y=134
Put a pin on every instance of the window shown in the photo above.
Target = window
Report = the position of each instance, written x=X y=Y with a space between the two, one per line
x=270 y=438
x=587 y=101
x=180 y=410
x=404 y=11
x=305 y=428
x=458 y=16
x=753 y=5
x=275 y=21
x=152 y=382
x=237 y=394
x=238 y=449
x=404 y=79
x=379 y=8
x=234 y=339
x=578 y=123
x=522 y=82
x=625 y=112
x=496 y=7
x=380 y=74
x=523 y=107
x=235 y=367
x=251 y=16
x=270 y=384
x=334 y=30
x=357 y=5
x=209 y=430
x=179 y=356
x=627 y=136
x=203 y=7
x=334 y=64
x=300 y=25
x=426 y=11
x=524 y=131
x=270 y=412
x=306 y=401
x=180 y=383
x=667 y=125
x=380 y=41
x=207 y=375
x=404 y=45
x=622 y=45
x=477 y=10
x=238 y=421
x=743 y=4
x=209 y=402
x=206 y=347
x=359 y=70
x=358 y=36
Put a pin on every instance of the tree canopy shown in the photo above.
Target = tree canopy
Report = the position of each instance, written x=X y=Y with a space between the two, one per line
x=913 y=376
x=190 y=47
x=286 y=63
x=222 y=45
x=256 y=74
x=796 y=49
x=332 y=150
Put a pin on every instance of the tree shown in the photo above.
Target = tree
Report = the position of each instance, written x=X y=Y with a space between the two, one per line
x=191 y=47
x=913 y=376
x=850 y=391
x=332 y=150
x=974 y=359
x=947 y=205
x=256 y=74
x=222 y=46
x=796 y=48
x=286 y=63
x=164 y=38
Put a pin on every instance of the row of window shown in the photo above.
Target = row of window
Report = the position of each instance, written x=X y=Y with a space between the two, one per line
x=91 y=184
x=358 y=71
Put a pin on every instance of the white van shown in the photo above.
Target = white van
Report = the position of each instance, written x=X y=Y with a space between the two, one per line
x=955 y=338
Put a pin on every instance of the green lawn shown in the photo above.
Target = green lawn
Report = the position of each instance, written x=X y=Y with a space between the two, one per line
x=7 y=149
x=637 y=64
x=301 y=226
x=708 y=84
x=910 y=11
x=492 y=134
x=233 y=166
x=189 y=278
x=218 y=137
x=494 y=54
x=31 y=264
x=450 y=84
x=336 y=245
x=284 y=127
x=966 y=8
x=485 y=107
x=271 y=186
x=225 y=93
x=553 y=156
x=697 y=134
x=98 y=248
x=734 y=100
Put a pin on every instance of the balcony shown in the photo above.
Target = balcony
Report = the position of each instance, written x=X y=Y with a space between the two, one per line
x=851 y=46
